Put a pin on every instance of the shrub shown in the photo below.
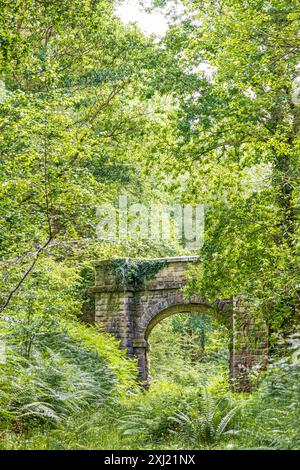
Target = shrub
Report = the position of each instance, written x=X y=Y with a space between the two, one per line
x=68 y=371
x=209 y=424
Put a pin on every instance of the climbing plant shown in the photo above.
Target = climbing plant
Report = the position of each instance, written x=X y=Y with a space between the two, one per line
x=133 y=273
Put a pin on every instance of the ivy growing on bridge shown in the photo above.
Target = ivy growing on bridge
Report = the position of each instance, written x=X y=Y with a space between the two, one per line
x=133 y=273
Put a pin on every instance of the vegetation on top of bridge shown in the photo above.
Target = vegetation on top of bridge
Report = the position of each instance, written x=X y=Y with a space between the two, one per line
x=133 y=272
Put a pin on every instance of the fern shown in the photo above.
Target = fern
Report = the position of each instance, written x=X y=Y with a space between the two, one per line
x=210 y=426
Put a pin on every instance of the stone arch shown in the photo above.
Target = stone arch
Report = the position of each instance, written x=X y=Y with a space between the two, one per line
x=157 y=316
x=154 y=317
x=130 y=309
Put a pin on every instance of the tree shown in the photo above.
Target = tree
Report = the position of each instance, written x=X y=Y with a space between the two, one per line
x=73 y=124
x=239 y=122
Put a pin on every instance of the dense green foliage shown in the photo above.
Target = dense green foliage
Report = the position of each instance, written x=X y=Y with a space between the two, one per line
x=133 y=273
x=91 y=109
x=238 y=137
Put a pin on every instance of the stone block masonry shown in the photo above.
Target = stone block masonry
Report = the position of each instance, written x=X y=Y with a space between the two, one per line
x=132 y=296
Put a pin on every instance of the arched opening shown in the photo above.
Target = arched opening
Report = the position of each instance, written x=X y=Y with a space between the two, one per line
x=187 y=344
x=172 y=310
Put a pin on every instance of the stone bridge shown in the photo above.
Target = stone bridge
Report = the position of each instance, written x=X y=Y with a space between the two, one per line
x=132 y=296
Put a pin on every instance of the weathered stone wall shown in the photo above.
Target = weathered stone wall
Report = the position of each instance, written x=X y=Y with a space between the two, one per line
x=130 y=299
x=250 y=344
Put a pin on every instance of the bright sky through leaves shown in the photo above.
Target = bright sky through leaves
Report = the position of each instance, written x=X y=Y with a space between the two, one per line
x=150 y=23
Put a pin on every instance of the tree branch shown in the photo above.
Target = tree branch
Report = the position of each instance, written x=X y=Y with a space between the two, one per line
x=16 y=288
